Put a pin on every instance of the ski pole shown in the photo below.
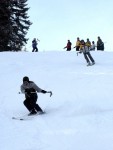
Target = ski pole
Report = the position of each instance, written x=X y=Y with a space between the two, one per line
x=35 y=92
x=50 y=93
x=24 y=93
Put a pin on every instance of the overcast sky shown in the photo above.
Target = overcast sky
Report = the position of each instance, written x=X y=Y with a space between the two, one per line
x=54 y=22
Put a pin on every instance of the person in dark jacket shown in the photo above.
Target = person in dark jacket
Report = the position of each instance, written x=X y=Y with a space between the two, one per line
x=34 y=45
x=30 y=89
x=100 y=44
x=68 y=46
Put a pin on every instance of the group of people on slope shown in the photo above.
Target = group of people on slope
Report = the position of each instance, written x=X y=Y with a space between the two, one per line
x=91 y=45
x=78 y=45
x=85 y=48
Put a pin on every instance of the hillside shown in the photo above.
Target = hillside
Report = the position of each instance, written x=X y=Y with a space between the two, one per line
x=79 y=115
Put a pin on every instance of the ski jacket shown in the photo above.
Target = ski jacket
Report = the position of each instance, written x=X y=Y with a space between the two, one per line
x=34 y=43
x=88 y=43
x=99 y=42
x=92 y=47
x=31 y=86
x=77 y=43
x=85 y=49
x=68 y=45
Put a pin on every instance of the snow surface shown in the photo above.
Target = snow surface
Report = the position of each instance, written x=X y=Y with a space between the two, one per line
x=80 y=112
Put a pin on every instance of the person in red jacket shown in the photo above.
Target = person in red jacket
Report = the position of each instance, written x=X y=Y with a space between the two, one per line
x=68 y=46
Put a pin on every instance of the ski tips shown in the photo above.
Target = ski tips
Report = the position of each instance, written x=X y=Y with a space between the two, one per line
x=17 y=118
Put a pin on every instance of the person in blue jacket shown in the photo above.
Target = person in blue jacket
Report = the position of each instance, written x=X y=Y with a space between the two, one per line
x=34 y=45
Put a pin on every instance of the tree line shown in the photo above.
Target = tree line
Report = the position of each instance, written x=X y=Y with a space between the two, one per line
x=14 y=24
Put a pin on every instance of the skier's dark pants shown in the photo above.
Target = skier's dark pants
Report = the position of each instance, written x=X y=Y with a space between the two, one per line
x=30 y=102
x=77 y=48
x=88 y=56
x=35 y=49
x=68 y=49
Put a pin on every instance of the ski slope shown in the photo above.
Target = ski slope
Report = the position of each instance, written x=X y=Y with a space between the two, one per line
x=80 y=112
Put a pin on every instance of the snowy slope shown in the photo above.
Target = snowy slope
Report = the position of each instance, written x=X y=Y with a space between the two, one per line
x=80 y=112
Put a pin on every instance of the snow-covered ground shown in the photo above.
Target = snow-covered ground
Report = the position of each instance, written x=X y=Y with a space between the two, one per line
x=80 y=112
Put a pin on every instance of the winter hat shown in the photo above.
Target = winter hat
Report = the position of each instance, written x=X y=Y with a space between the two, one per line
x=25 y=79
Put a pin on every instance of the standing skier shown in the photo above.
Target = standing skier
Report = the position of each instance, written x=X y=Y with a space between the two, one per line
x=30 y=89
x=88 y=43
x=68 y=46
x=92 y=48
x=77 y=44
x=34 y=45
x=100 y=44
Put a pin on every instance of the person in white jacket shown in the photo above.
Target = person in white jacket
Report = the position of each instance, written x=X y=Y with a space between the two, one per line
x=86 y=52
x=30 y=89
x=92 y=48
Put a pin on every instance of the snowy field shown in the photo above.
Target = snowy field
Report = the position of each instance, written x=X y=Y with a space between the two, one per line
x=80 y=112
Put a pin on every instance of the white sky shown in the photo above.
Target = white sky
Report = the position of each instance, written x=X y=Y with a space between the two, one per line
x=54 y=22
x=79 y=113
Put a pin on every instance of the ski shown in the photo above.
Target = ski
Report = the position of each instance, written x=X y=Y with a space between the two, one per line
x=18 y=118
x=27 y=117
x=90 y=64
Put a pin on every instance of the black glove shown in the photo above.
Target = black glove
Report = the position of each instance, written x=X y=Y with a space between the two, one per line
x=43 y=91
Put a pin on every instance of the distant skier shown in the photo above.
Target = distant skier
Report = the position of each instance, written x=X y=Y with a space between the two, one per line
x=34 y=45
x=92 y=48
x=77 y=44
x=68 y=46
x=88 y=43
x=30 y=89
x=86 y=51
x=100 y=44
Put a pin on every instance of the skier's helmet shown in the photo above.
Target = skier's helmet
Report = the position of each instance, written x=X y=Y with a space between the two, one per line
x=25 y=79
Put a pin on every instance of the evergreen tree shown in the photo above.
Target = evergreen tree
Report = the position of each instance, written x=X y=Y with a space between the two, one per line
x=4 y=24
x=16 y=24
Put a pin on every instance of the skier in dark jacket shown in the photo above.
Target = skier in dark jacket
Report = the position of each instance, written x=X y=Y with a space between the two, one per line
x=68 y=46
x=30 y=89
x=34 y=45
x=100 y=44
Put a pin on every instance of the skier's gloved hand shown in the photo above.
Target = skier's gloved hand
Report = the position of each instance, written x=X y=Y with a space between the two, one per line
x=43 y=91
